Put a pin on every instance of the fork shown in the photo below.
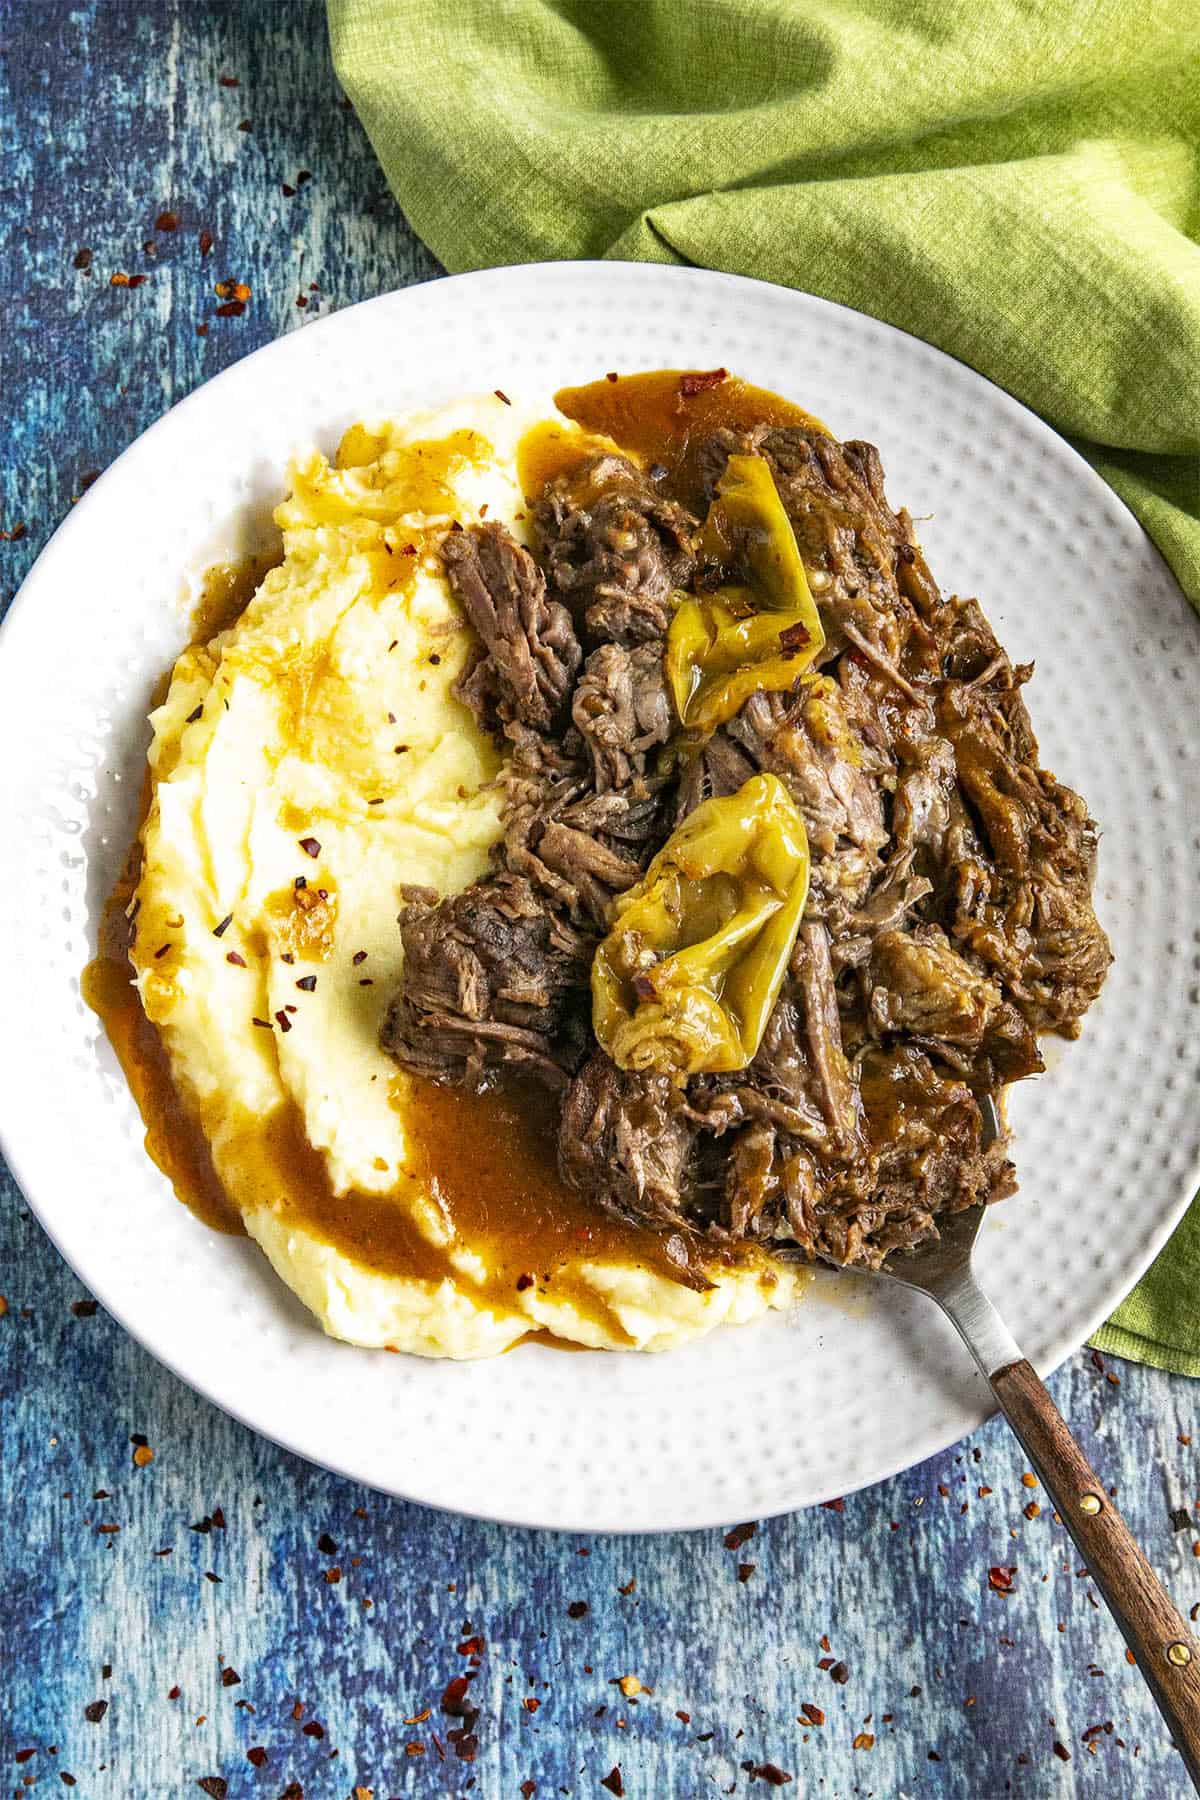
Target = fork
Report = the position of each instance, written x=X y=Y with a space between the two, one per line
x=1164 y=1648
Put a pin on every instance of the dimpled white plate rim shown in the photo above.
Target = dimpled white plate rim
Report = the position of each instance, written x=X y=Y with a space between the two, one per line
x=860 y=1380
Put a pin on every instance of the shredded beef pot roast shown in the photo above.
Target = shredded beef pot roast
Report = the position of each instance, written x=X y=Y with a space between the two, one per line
x=949 y=916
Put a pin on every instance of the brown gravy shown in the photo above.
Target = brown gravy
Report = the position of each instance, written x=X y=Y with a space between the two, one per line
x=173 y=1140
x=491 y=1162
x=226 y=590
x=653 y=416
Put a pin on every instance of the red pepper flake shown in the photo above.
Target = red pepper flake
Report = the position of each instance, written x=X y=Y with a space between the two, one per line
x=501 y=395
x=524 y=1281
x=23 y=1756
x=245 y=125
x=825 y=1662
x=256 y=1755
x=231 y=309
x=223 y=927
x=794 y=640
x=205 y=241
x=700 y=381
x=302 y=176
x=264 y=1024
x=313 y=1730
x=287 y=190
x=1000 y=1578
x=812 y=1713
x=216 y=1785
x=209 y=1576
x=1061 y=1751
x=202 y=331
x=232 y=956
x=839 y=1673
x=15 y=535
x=282 y=1020
x=612 y=1781
x=333 y=1576
x=466 y=1744
x=745 y=1571
x=66 y=1779
x=293 y=1791
x=325 y=1543
x=173 y=1693
x=229 y=81
x=577 y=1609
x=628 y=1587
x=454 y=1695
x=528 y=1789
x=360 y=956
x=741 y=1534
x=84 y=1309
x=230 y=1678
x=143 y=1456
x=301 y=301
x=82 y=258
x=121 y=280
x=472 y=1646
x=531 y=1703
x=311 y=846
x=167 y=221
x=771 y=1773
x=864 y=1741
x=95 y=1710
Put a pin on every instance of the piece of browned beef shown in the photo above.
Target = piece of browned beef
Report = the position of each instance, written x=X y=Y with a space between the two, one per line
x=492 y=979
x=576 y=846
x=622 y=711
x=1019 y=894
x=626 y=1139
x=525 y=667
x=616 y=548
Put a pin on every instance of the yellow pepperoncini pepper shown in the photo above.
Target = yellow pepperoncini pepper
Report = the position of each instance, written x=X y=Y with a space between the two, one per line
x=686 y=978
x=725 y=646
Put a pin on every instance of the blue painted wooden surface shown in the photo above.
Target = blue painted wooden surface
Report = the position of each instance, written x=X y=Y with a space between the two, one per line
x=112 y=114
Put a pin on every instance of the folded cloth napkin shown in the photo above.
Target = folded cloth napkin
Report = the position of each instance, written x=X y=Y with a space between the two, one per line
x=1016 y=181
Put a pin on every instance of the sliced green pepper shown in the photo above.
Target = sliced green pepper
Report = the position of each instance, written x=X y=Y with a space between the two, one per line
x=725 y=646
x=686 y=979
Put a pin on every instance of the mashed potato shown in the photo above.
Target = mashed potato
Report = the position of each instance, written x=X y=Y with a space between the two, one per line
x=307 y=764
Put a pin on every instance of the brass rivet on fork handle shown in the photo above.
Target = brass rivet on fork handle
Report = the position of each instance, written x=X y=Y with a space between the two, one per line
x=1179 y=1654
x=1091 y=1504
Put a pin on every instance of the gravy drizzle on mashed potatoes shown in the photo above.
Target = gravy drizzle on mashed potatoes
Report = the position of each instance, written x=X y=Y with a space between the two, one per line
x=309 y=763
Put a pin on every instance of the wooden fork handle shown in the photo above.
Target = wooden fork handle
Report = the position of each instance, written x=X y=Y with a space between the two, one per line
x=1166 y=1650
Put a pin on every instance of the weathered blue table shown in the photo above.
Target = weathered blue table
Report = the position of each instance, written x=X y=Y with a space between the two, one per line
x=218 y=1616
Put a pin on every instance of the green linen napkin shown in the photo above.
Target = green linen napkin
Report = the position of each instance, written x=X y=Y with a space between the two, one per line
x=1016 y=181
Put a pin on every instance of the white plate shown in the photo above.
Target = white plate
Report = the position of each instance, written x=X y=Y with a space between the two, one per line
x=860 y=1381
